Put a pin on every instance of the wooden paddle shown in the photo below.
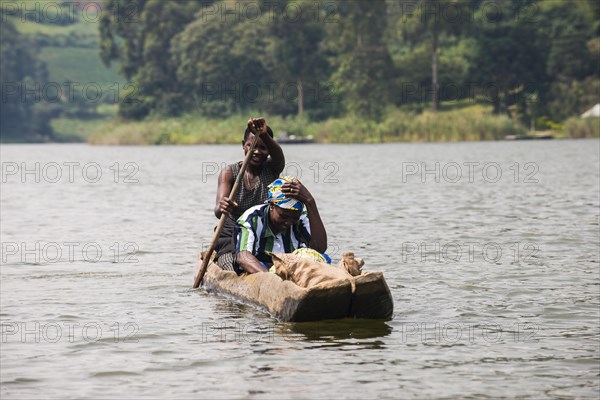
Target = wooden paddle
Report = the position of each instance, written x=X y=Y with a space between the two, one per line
x=234 y=190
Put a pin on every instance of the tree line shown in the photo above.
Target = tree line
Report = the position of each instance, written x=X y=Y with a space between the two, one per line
x=533 y=60
x=528 y=58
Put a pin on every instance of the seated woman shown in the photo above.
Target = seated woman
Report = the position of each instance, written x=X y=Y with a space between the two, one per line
x=289 y=220
x=264 y=166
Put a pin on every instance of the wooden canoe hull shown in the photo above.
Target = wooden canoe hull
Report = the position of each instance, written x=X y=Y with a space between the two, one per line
x=288 y=302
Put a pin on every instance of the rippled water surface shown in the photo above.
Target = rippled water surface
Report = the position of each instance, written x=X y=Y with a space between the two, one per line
x=491 y=252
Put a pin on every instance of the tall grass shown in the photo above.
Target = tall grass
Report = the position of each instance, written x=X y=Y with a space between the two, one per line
x=475 y=122
x=577 y=127
x=66 y=129
x=184 y=130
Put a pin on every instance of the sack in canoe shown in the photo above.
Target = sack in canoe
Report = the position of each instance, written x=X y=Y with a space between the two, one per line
x=307 y=272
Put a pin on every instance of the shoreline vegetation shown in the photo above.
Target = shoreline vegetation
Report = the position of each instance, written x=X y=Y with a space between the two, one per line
x=75 y=74
x=471 y=123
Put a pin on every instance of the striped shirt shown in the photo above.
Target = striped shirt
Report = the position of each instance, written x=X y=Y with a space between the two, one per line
x=253 y=234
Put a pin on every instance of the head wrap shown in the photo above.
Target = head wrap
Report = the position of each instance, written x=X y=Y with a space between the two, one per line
x=276 y=195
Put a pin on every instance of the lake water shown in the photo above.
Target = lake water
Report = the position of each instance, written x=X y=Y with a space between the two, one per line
x=491 y=252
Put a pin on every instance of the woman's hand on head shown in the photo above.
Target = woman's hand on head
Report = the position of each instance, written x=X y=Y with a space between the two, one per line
x=296 y=190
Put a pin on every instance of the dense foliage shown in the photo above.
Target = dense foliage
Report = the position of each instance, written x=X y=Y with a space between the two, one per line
x=534 y=62
x=529 y=59
x=22 y=115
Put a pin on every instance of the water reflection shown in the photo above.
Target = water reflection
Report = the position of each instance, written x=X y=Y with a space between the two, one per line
x=332 y=330
x=236 y=318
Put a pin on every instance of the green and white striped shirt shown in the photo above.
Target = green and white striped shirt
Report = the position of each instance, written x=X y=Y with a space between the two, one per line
x=253 y=234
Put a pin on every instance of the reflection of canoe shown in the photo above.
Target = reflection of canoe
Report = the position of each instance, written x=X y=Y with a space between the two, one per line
x=288 y=302
x=340 y=329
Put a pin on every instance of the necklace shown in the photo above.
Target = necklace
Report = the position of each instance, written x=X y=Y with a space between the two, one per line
x=248 y=182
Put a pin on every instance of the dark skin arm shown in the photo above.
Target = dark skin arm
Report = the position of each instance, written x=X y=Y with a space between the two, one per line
x=249 y=263
x=318 y=235
x=226 y=179
x=224 y=203
x=275 y=151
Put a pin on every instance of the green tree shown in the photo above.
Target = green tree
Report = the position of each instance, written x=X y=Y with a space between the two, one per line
x=426 y=21
x=511 y=58
x=413 y=66
x=571 y=30
x=221 y=60
x=22 y=116
x=363 y=64
x=121 y=37
x=138 y=34
x=297 y=54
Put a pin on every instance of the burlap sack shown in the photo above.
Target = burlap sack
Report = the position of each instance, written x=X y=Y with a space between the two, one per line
x=351 y=264
x=306 y=272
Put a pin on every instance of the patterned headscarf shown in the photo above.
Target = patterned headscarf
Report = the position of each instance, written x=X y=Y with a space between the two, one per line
x=276 y=195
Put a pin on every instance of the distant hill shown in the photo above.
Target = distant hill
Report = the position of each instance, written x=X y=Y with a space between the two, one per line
x=71 y=50
x=66 y=38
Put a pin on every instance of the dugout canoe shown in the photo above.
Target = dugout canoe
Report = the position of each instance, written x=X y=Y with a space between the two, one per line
x=288 y=302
